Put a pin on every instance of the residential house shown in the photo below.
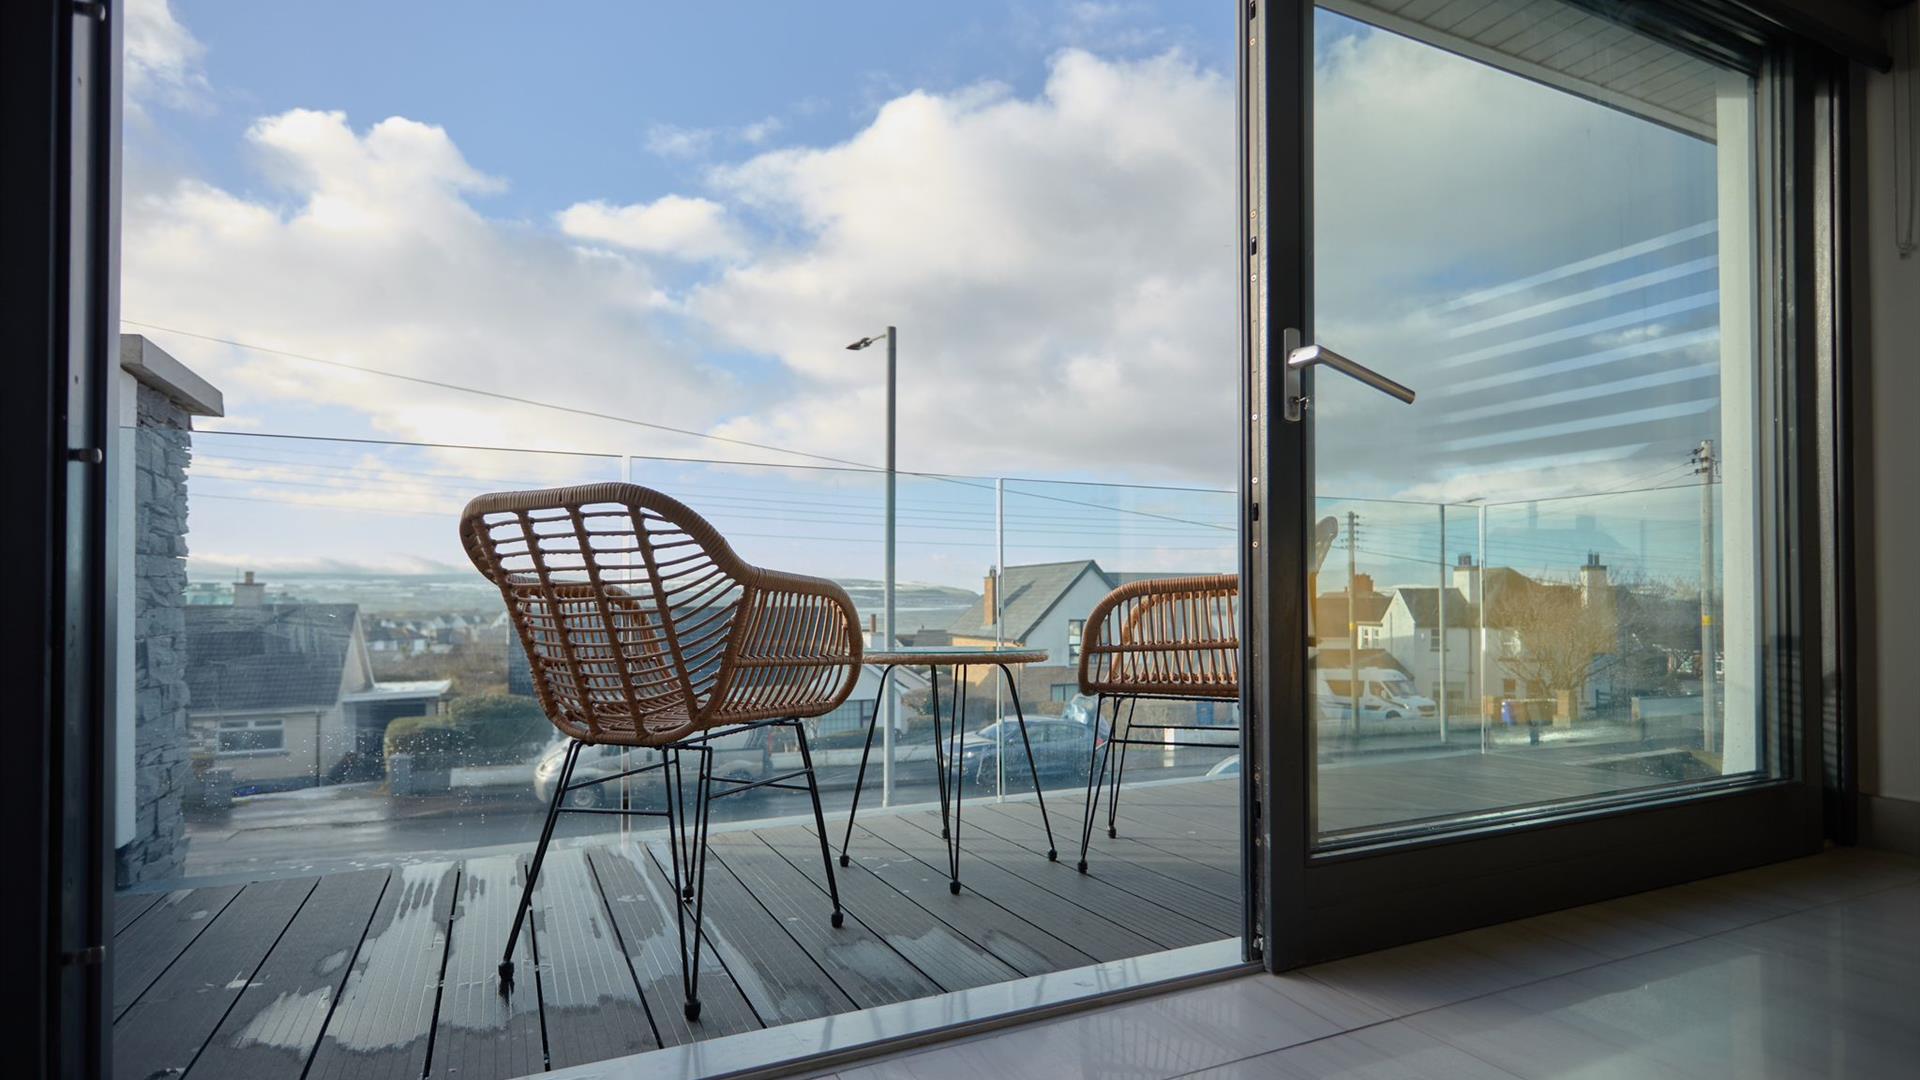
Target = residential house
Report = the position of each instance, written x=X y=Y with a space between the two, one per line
x=283 y=695
x=1488 y=616
x=1427 y=629
x=1332 y=612
x=1042 y=606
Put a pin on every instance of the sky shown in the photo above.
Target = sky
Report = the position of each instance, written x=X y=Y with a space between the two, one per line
x=676 y=216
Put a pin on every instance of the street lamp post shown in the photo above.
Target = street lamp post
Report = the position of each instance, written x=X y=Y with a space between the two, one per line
x=886 y=616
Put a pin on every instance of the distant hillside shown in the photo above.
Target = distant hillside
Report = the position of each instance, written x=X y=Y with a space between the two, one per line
x=916 y=606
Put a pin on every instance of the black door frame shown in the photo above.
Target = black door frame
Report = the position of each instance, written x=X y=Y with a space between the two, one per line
x=1312 y=906
x=57 y=232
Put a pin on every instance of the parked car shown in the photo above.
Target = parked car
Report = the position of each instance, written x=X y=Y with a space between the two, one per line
x=1059 y=749
x=744 y=755
x=1225 y=767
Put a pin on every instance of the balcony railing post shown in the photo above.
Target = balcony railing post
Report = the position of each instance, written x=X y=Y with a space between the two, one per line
x=999 y=635
x=1480 y=602
x=886 y=626
x=626 y=792
x=1440 y=620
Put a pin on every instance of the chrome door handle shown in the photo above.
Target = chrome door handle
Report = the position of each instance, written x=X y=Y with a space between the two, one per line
x=1301 y=357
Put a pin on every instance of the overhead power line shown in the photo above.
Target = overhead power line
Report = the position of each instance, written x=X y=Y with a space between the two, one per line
x=496 y=395
x=519 y=400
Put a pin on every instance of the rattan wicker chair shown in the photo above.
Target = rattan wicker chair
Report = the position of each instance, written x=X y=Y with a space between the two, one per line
x=642 y=628
x=1171 y=639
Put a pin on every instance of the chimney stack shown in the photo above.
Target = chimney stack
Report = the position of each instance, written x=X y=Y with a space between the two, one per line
x=248 y=592
x=1466 y=578
x=990 y=597
x=1363 y=585
x=1594 y=588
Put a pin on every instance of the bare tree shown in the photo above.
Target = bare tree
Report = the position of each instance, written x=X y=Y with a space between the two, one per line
x=1565 y=639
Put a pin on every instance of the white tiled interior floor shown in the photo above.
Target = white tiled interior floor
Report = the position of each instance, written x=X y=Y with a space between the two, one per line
x=1809 y=968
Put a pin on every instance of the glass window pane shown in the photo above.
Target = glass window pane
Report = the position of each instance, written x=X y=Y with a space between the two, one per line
x=1543 y=223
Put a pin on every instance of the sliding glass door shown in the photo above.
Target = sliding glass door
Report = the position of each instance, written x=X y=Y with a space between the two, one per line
x=1521 y=452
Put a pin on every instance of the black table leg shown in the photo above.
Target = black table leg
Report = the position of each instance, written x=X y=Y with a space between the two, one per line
x=860 y=779
x=957 y=760
x=939 y=760
x=1033 y=767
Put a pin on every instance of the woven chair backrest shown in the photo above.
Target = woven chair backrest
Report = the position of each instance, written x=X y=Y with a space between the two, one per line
x=626 y=602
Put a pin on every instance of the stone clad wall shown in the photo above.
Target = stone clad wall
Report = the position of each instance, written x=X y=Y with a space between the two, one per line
x=163 y=772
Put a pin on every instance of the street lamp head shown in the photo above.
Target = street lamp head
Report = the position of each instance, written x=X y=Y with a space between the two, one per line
x=862 y=343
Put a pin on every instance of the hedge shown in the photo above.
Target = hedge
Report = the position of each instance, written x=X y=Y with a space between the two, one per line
x=500 y=729
x=433 y=742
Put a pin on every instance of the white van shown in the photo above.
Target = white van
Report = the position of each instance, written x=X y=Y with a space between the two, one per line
x=1387 y=699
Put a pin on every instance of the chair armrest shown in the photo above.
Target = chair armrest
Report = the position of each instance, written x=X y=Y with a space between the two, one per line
x=1171 y=636
x=799 y=647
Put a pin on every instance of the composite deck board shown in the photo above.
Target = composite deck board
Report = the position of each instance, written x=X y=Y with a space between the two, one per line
x=480 y=1033
x=1161 y=820
x=1158 y=908
x=1149 y=818
x=1150 y=874
x=1211 y=864
x=637 y=895
x=130 y=906
x=1131 y=869
x=1015 y=822
x=782 y=981
x=160 y=936
x=383 y=1025
x=384 y=973
x=1162 y=921
x=1097 y=937
x=588 y=996
x=942 y=953
x=163 y=1031
x=859 y=960
x=270 y=1033
x=1026 y=948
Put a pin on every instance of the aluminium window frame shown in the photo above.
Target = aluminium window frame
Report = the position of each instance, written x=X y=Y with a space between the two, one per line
x=60 y=65
x=1311 y=904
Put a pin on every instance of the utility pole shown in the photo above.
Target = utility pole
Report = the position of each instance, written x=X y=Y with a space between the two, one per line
x=886 y=623
x=1703 y=462
x=1353 y=624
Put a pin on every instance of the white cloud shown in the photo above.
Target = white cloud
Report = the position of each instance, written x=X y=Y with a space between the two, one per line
x=675 y=225
x=671 y=140
x=1434 y=177
x=760 y=131
x=1061 y=267
x=374 y=253
x=162 y=58
x=668 y=140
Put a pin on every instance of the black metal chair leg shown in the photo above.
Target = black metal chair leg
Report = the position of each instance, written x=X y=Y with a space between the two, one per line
x=939 y=760
x=1096 y=777
x=1093 y=757
x=539 y=856
x=690 y=835
x=860 y=779
x=674 y=823
x=1120 y=771
x=820 y=823
x=957 y=761
x=1033 y=767
x=674 y=786
x=703 y=814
